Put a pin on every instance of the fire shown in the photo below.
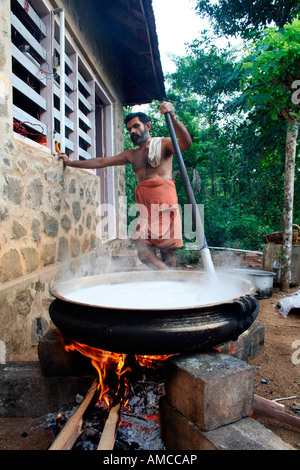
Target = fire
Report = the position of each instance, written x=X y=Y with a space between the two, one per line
x=58 y=420
x=149 y=361
x=106 y=362
x=103 y=361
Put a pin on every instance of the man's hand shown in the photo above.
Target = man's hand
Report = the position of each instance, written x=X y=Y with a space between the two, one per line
x=183 y=136
x=65 y=159
x=166 y=107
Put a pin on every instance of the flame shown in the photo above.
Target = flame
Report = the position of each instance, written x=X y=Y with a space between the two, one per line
x=232 y=348
x=150 y=361
x=58 y=420
x=104 y=361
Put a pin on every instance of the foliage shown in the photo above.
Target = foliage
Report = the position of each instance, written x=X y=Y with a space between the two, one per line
x=247 y=17
x=270 y=71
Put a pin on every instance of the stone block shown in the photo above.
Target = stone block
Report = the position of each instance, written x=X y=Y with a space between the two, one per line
x=55 y=361
x=50 y=225
x=13 y=190
x=248 y=345
x=31 y=258
x=48 y=254
x=210 y=389
x=11 y=266
x=179 y=433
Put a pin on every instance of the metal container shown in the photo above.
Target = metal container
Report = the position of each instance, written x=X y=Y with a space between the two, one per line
x=153 y=331
x=263 y=280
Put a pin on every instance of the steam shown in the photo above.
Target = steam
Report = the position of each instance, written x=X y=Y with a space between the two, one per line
x=161 y=292
x=95 y=263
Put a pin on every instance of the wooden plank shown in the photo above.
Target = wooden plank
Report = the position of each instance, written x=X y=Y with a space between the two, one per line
x=16 y=23
x=29 y=92
x=34 y=17
x=272 y=254
x=107 y=440
x=68 y=102
x=84 y=118
x=266 y=409
x=69 y=124
x=260 y=401
x=73 y=428
x=84 y=83
x=82 y=153
x=84 y=136
x=84 y=101
x=28 y=64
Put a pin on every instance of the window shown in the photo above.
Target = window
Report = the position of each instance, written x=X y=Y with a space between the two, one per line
x=79 y=125
x=29 y=59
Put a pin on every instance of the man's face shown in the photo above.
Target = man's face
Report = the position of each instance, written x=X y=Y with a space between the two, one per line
x=139 y=132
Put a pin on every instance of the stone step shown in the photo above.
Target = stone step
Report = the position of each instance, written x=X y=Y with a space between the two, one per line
x=179 y=433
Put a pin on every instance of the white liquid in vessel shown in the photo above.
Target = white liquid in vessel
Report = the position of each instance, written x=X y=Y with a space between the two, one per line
x=163 y=294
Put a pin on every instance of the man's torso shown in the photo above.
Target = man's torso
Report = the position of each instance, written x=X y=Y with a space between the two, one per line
x=143 y=170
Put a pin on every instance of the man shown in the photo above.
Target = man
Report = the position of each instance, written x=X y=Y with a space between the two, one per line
x=159 y=219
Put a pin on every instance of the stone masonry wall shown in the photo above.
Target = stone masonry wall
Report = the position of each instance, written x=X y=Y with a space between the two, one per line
x=47 y=213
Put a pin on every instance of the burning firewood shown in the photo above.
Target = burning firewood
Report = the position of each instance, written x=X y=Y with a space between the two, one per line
x=107 y=440
x=73 y=428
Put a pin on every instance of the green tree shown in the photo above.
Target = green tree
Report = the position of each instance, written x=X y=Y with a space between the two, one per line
x=247 y=17
x=270 y=77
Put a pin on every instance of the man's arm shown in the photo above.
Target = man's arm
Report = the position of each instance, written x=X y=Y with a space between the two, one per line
x=93 y=163
x=183 y=136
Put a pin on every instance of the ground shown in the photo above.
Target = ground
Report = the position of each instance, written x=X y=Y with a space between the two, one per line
x=279 y=364
x=276 y=365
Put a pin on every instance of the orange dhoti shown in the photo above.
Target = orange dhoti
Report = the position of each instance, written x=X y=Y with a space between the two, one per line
x=159 y=221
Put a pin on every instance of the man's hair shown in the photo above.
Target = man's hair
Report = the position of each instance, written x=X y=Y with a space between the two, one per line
x=142 y=117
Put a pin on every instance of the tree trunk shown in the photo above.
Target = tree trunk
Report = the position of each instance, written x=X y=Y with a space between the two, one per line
x=291 y=142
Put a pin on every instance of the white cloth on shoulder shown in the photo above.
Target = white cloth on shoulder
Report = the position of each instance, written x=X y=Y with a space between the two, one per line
x=154 y=157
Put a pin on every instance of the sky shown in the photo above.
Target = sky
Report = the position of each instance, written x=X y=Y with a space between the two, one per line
x=176 y=24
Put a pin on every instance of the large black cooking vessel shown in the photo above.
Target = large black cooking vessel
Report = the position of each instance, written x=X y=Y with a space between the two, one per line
x=155 y=331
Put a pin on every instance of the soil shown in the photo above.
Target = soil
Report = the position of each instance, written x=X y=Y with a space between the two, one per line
x=277 y=375
x=279 y=364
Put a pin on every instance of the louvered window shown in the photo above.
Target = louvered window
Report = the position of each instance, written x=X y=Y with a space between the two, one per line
x=36 y=67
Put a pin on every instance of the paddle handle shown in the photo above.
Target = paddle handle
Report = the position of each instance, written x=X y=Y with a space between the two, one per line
x=197 y=222
x=200 y=235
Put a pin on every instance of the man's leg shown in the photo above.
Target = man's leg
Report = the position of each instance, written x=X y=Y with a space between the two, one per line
x=168 y=257
x=147 y=255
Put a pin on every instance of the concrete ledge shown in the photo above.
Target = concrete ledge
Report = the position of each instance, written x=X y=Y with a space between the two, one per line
x=24 y=392
x=179 y=433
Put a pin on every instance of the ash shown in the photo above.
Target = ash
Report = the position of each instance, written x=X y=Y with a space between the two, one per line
x=138 y=427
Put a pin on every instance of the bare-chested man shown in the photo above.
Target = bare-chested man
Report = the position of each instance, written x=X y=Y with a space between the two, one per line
x=159 y=219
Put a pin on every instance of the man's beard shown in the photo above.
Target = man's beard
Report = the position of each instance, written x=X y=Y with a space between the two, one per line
x=139 y=140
